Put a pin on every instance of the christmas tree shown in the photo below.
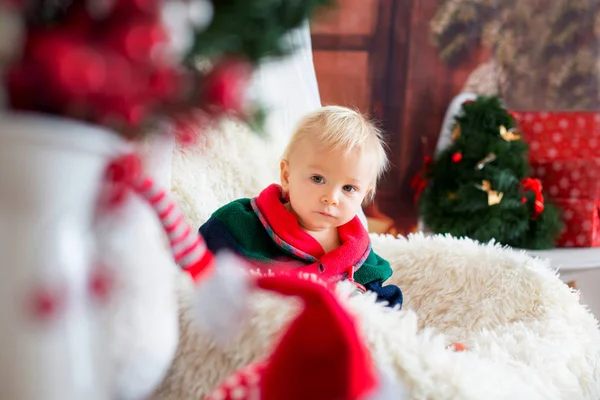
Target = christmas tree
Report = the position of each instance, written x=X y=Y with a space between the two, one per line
x=479 y=186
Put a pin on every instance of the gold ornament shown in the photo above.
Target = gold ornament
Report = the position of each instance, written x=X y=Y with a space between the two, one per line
x=451 y=195
x=494 y=197
x=456 y=132
x=510 y=134
x=488 y=159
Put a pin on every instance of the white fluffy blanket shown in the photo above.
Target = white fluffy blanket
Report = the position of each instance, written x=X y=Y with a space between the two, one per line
x=528 y=336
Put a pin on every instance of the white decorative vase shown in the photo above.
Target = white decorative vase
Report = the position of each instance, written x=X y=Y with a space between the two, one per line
x=57 y=342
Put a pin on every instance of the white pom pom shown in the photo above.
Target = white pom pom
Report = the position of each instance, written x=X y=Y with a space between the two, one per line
x=179 y=28
x=389 y=388
x=221 y=298
x=201 y=13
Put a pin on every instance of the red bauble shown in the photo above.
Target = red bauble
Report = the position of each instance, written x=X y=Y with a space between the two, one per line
x=137 y=39
x=523 y=200
x=136 y=6
x=70 y=67
x=128 y=112
x=457 y=157
x=164 y=83
x=123 y=80
x=225 y=86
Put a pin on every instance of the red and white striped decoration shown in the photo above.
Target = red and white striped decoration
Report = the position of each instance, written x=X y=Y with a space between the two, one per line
x=188 y=247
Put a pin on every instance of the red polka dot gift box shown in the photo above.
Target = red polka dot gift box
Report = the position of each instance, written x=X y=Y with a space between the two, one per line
x=582 y=222
x=560 y=135
x=565 y=156
x=575 y=178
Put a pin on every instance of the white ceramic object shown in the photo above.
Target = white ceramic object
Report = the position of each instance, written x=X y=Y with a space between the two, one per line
x=51 y=241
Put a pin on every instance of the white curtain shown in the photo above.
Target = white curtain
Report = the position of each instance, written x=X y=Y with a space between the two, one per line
x=288 y=88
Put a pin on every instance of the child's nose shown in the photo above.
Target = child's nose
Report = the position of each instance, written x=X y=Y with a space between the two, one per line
x=330 y=198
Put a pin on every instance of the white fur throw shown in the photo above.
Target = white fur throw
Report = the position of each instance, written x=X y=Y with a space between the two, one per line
x=528 y=336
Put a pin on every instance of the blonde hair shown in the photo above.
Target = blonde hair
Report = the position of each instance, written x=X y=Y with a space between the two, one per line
x=341 y=128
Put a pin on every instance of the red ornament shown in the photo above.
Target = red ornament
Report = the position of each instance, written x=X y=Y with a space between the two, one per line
x=164 y=83
x=135 y=6
x=536 y=187
x=457 y=157
x=419 y=181
x=138 y=40
x=523 y=200
x=225 y=85
x=70 y=67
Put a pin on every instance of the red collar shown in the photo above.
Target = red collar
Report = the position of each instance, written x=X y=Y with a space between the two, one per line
x=348 y=257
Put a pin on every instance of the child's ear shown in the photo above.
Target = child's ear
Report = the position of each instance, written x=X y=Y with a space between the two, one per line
x=368 y=196
x=284 y=175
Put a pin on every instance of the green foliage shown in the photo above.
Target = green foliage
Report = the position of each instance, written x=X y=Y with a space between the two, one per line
x=453 y=200
x=253 y=28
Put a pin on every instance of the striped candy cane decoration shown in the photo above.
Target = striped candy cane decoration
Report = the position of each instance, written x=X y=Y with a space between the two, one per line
x=188 y=247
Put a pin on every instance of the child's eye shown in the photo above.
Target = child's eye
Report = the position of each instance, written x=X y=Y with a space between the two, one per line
x=317 y=179
x=349 y=188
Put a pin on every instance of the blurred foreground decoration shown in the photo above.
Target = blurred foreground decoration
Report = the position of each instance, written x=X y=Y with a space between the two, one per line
x=131 y=64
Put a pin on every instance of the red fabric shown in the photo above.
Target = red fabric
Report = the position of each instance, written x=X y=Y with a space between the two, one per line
x=320 y=356
x=119 y=175
x=582 y=222
x=560 y=135
x=574 y=178
x=200 y=268
x=354 y=237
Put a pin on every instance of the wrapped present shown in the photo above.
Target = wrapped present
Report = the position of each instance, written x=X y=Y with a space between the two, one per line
x=575 y=178
x=582 y=222
x=560 y=135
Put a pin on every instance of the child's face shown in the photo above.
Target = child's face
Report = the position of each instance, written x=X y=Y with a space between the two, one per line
x=326 y=188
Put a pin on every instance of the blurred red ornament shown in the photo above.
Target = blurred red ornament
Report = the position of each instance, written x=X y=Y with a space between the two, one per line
x=164 y=83
x=70 y=66
x=225 y=86
x=419 y=181
x=536 y=187
x=138 y=39
x=457 y=157
x=523 y=200
x=130 y=113
x=122 y=80
x=135 y=6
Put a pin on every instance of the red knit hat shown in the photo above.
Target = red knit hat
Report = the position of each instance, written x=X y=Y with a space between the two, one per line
x=320 y=357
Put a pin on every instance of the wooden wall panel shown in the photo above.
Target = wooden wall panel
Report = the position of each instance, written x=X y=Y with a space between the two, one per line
x=350 y=17
x=343 y=78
